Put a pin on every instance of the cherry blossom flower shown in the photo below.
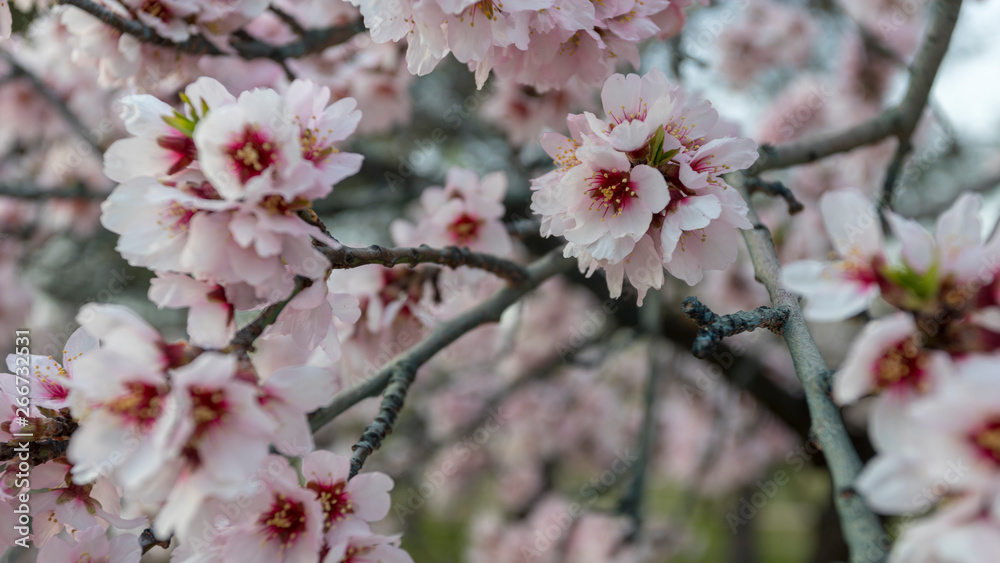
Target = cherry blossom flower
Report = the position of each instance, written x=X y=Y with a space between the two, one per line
x=285 y=523
x=926 y=272
x=841 y=289
x=653 y=167
x=364 y=498
x=889 y=355
x=91 y=544
x=71 y=507
x=48 y=388
x=466 y=212
x=355 y=543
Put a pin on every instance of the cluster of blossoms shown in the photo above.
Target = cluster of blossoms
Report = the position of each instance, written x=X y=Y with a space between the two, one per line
x=641 y=190
x=210 y=198
x=544 y=43
x=183 y=436
x=935 y=422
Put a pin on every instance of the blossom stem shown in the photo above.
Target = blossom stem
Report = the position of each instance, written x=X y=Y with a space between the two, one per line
x=777 y=189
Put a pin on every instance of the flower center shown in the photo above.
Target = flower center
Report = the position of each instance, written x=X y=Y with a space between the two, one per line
x=335 y=501
x=987 y=440
x=611 y=190
x=208 y=409
x=251 y=153
x=140 y=405
x=284 y=521
x=312 y=146
x=902 y=366
x=464 y=228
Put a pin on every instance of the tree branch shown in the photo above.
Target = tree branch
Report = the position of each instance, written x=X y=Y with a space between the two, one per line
x=452 y=256
x=899 y=121
x=714 y=328
x=862 y=529
x=313 y=41
x=777 y=189
x=394 y=378
x=31 y=192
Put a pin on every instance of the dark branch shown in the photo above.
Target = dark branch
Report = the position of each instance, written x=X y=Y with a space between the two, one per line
x=148 y=541
x=714 y=328
x=34 y=193
x=39 y=451
x=777 y=189
x=451 y=256
x=312 y=41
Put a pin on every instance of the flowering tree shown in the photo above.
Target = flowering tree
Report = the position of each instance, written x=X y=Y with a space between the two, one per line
x=533 y=325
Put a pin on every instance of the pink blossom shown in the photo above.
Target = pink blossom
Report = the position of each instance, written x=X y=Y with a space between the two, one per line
x=47 y=377
x=283 y=523
x=840 y=289
x=364 y=498
x=889 y=355
x=466 y=212
x=288 y=395
x=355 y=543
x=71 y=507
x=91 y=544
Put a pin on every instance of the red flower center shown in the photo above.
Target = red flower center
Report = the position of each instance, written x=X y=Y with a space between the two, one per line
x=611 y=190
x=140 y=405
x=465 y=228
x=902 y=366
x=208 y=409
x=284 y=521
x=334 y=499
x=251 y=153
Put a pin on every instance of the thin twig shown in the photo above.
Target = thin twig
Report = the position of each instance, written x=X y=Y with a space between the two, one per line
x=289 y=20
x=395 y=377
x=630 y=503
x=862 y=529
x=32 y=192
x=714 y=327
x=244 y=338
x=777 y=189
x=899 y=121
